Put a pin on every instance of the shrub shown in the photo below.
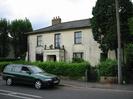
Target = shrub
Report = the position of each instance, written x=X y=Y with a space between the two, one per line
x=8 y=60
x=57 y=68
x=77 y=60
x=2 y=65
x=108 y=68
x=64 y=69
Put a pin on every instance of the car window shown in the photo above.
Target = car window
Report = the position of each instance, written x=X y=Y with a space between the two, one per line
x=8 y=68
x=16 y=68
x=35 y=69
x=24 y=69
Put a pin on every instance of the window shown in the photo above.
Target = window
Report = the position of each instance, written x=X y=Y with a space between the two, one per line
x=35 y=69
x=78 y=37
x=78 y=55
x=16 y=68
x=57 y=40
x=25 y=69
x=39 y=57
x=8 y=68
x=39 y=40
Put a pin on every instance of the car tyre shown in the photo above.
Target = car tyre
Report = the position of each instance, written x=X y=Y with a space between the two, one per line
x=9 y=82
x=38 y=84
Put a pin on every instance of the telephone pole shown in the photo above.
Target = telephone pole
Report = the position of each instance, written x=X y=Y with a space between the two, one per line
x=119 y=44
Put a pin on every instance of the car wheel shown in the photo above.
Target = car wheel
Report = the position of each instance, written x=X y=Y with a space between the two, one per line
x=38 y=84
x=9 y=81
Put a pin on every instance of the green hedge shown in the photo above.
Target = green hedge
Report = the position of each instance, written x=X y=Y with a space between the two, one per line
x=64 y=69
x=57 y=68
x=108 y=68
x=2 y=65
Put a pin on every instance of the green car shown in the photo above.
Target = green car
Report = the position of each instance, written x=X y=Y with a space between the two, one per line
x=28 y=74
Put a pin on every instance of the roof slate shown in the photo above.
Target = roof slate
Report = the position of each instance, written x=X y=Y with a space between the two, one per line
x=64 y=26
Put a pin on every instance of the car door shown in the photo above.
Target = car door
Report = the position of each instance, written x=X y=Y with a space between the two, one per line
x=26 y=76
x=16 y=73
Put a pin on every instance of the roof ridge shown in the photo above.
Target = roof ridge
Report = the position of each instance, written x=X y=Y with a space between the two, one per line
x=82 y=23
x=61 y=23
x=75 y=20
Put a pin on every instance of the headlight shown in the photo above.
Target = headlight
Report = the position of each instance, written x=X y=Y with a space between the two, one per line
x=47 y=79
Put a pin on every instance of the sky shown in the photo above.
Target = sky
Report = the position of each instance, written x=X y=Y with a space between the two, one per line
x=41 y=12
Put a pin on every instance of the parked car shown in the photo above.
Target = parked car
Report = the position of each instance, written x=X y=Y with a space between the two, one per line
x=28 y=74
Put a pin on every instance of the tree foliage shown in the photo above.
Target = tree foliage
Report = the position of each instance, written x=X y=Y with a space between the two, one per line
x=18 y=28
x=129 y=54
x=4 y=40
x=104 y=23
x=130 y=23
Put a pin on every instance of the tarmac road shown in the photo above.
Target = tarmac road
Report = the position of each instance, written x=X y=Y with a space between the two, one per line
x=61 y=92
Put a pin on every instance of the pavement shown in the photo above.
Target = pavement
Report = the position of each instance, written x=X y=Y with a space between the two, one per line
x=83 y=84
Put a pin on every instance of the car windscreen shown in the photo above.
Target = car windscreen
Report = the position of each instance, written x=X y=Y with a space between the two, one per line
x=35 y=69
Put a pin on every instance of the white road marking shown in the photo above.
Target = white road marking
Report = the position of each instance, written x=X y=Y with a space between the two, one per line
x=17 y=94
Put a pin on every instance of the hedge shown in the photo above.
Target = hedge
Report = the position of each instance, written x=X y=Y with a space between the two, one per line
x=4 y=63
x=64 y=69
x=108 y=68
x=57 y=68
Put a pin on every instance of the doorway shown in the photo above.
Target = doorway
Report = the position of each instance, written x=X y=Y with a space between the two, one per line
x=39 y=57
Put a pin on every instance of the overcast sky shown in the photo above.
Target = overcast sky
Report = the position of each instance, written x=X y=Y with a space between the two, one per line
x=40 y=12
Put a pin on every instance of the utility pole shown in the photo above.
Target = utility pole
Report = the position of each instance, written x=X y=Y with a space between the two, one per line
x=119 y=44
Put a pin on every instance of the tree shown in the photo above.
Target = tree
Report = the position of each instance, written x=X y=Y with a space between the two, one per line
x=130 y=23
x=18 y=28
x=129 y=54
x=128 y=68
x=4 y=40
x=104 y=23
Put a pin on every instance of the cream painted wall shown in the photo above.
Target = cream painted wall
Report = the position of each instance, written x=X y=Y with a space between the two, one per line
x=89 y=47
x=32 y=47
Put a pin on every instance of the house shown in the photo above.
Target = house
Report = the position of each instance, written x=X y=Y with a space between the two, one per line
x=63 y=41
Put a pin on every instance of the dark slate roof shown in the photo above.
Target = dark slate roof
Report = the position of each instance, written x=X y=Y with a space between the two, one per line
x=64 y=26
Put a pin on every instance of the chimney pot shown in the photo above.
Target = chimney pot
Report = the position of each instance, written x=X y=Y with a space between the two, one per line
x=56 y=20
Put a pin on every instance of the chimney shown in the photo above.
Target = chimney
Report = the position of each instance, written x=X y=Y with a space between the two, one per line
x=56 y=20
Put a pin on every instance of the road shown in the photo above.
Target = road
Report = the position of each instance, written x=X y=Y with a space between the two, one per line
x=61 y=92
